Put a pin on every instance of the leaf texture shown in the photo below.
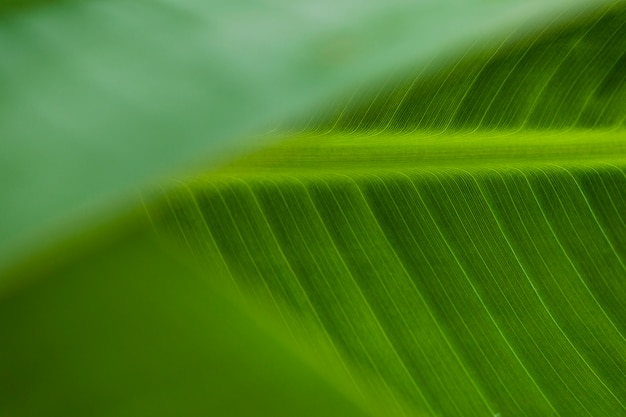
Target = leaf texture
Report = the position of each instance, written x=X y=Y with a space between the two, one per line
x=459 y=239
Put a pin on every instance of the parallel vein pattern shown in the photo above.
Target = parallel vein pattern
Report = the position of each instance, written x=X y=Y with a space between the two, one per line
x=456 y=291
x=458 y=242
x=567 y=76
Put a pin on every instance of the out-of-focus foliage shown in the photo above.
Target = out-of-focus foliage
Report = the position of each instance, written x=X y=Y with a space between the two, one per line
x=102 y=96
x=122 y=329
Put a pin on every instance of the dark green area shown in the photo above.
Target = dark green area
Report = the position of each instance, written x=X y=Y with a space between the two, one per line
x=124 y=329
x=568 y=75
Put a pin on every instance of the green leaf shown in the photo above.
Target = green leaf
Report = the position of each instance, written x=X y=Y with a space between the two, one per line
x=460 y=238
x=452 y=244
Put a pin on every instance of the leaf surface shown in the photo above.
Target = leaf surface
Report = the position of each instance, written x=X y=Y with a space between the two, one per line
x=453 y=243
x=459 y=238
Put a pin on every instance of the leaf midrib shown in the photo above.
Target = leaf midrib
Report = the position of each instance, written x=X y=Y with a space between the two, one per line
x=332 y=152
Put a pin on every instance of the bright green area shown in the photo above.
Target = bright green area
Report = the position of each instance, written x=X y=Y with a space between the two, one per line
x=382 y=151
x=464 y=290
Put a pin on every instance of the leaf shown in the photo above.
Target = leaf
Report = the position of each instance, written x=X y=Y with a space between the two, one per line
x=352 y=259
x=102 y=97
x=459 y=238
